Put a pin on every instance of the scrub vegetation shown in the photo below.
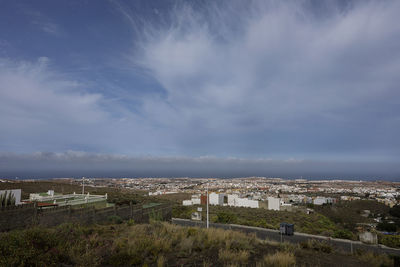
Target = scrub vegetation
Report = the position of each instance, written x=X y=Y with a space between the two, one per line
x=161 y=244
x=306 y=223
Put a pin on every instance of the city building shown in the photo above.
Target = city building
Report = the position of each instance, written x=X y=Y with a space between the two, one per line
x=216 y=199
x=274 y=203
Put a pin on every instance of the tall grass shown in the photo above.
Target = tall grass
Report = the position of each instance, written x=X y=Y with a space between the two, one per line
x=279 y=259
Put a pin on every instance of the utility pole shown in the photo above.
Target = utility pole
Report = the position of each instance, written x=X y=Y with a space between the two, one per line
x=83 y=185
x=207 y=207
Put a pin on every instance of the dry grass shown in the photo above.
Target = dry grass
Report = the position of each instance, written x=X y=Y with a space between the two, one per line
x=376 y=259
x=232 y=257
x=279 y=259
x=161 y=261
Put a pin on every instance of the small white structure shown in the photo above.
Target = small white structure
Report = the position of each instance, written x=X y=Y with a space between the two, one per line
x=196 y=200
x=368 y=237
x=187 y=203
x=15 y=192
x=196 y=216
x=216 y=199
x=274 y=203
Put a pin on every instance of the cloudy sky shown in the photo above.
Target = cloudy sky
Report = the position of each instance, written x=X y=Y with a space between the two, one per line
x=228 y=88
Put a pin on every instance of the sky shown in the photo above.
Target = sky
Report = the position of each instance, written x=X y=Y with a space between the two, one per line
x=200 y=88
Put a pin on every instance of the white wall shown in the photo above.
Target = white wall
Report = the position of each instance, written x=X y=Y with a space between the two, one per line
x=274 y=203
x=216 y=199
x=232 y=200
x=319 y=201
x=244 y=202
x=15 y=192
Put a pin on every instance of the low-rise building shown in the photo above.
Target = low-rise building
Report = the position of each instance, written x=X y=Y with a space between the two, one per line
x=274 y=203
x=216 y=199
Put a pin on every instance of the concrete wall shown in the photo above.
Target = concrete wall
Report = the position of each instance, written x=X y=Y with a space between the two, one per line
x=15 y=192
x=28 y=215
x=274 y=203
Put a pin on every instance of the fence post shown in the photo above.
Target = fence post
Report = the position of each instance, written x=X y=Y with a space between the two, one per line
x=115 y=210
x=94 y=214
x=35 y=215
x=131 y=209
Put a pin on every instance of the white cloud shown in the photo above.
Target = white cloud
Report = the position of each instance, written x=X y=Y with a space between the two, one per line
x=266 y=79
x=283 y=68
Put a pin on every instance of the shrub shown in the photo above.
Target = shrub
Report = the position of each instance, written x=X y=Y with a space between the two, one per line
x=345 y=234
x=390 y=240
x=279 y=259
x=317 y=245
x=226 y=217
x=378 y=260
x=161 y=261
x=155 y=216
x=115 y=219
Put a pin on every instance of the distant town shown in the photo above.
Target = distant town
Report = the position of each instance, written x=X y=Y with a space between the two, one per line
x=305 y=191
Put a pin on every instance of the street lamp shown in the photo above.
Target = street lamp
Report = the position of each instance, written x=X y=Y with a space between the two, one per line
x=207 y=207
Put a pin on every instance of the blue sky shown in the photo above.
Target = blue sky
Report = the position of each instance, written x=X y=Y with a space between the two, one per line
x=260 y=82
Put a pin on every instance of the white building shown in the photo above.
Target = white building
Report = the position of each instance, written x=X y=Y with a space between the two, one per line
x=323 y=200
x=196 y=200
x=187 y=203
x=216 y=199
x=232 y=200
x=274 y=203
x=244 y=202
x=15 y=192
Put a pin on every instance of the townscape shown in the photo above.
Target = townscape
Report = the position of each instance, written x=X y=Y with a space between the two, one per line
x=295 y=191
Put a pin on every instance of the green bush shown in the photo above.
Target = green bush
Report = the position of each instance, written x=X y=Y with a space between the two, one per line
x=390 y=240
x=226 y=217
x=344 y=234
x=114 y=219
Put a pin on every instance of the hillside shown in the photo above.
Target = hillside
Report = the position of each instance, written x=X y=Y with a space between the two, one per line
x=163 y=244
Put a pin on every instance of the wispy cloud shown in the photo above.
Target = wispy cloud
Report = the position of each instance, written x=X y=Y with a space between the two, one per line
x=43 y=22
x=279 y=71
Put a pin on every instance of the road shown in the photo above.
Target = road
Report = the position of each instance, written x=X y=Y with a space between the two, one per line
x=344 y=245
